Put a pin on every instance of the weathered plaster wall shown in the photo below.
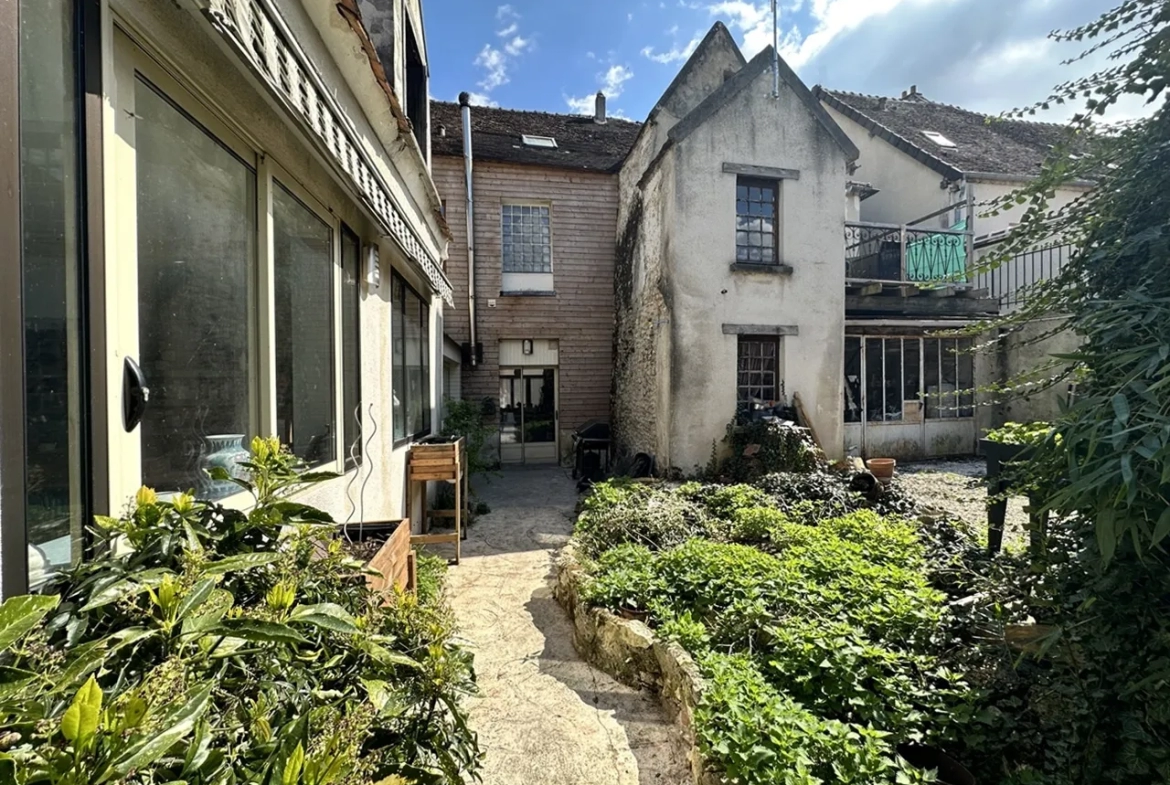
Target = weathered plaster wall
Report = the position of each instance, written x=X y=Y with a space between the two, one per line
x=703 y=293
x=198 y=61
x=1019 y=354
x=908 y=189
x=987 y=192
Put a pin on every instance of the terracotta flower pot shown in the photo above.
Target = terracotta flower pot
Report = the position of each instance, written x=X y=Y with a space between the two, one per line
x=882 y=468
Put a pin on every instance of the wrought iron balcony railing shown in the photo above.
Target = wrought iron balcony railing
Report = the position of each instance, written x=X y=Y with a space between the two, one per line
x=892 y=252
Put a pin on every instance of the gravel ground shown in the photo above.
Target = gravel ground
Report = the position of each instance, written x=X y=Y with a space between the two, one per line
x=957 y=487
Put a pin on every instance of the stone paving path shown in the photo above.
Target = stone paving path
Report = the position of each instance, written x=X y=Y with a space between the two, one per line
x=545 y=717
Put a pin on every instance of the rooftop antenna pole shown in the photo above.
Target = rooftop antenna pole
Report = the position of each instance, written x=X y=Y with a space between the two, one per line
x=775 y=49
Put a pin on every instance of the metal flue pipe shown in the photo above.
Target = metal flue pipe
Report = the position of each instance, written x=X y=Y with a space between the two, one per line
x=465 y=104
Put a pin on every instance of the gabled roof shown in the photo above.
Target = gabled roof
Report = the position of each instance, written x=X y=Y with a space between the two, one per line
x=496 y=136
x=761 y=64
x=717 y=37
x=982 y=144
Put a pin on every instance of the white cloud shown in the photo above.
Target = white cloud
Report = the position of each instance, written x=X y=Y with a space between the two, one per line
x=611 y=82
x=674 y=54
x=517 y=45
x=481 y=99
x=495 y=63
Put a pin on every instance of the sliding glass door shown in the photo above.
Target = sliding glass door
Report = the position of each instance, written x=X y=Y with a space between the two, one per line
x=182 y=287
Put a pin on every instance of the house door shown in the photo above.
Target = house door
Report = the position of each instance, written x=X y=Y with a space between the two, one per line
x=183 y=210
x=528 y=416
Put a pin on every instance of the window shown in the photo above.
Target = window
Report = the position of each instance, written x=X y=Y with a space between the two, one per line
x=538 y=141
x=896 y=379
x=756 y=221
x=351 y=362
x=55 y=491
x=411 y=376
x=303 y=262
x=759 y=370
x=527 y=239
x=938 y=139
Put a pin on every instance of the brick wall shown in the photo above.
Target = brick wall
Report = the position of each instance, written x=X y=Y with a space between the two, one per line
x=583 y=217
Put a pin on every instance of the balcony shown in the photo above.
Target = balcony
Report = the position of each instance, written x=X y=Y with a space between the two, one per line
x=905 y=254
x=887 y=263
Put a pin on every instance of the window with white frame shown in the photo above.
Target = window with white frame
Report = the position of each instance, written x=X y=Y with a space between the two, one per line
x=902 y=379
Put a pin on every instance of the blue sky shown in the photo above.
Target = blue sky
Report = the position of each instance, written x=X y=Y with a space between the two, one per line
x=553 y=55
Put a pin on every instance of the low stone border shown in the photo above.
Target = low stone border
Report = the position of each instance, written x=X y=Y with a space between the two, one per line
x=629 y=651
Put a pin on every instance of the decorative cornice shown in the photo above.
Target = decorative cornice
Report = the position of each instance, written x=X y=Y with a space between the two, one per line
x=259 y=36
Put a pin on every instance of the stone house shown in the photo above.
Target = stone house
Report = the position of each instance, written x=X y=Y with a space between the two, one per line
x=531 y=330
x=730 y=273
x=217 y=220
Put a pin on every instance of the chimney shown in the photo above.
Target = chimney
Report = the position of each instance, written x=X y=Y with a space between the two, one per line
x=882 y=103
x=599 y=108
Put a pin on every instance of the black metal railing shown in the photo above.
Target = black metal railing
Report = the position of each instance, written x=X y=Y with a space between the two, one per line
x=892 y=252
x=1013 y=281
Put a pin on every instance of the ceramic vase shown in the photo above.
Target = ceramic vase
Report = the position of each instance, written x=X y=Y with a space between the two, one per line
x=224 y=451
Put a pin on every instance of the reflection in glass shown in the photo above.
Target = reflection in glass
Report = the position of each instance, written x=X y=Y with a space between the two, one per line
x=398 y=367
x=50 y=248
x=302 y=252
x=196 y=214
x=414 y=351
x=350 y=346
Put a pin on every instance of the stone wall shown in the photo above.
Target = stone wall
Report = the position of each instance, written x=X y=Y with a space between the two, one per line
x=630 y=652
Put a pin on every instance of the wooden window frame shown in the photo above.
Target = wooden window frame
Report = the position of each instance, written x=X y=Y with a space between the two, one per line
x=745 y=341
x=426 y=356
x=773 y=185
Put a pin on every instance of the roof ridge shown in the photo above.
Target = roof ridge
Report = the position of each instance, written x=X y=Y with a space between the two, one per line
x=948 y=105
x=565 y=115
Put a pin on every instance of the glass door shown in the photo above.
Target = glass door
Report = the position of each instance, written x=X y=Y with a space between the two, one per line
x=528 y=416
x=182 y=305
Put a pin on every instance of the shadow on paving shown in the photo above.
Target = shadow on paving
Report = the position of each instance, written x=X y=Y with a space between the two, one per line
x=545 y=717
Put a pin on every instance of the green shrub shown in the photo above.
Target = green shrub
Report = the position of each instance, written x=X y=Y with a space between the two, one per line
x=624 y=579
x=755 y=525
x=217 y=646
x=658 y=519
x=839 y=625
x=722 y=501
x=614 y=493
x=779 y=448
x=757 y=735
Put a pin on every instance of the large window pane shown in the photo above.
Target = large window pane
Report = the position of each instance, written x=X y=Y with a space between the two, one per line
x=350 y=343
x=303 y=258
x=50 y=247
x=398 y=370
x=196 y=250
x=425 y=327
x=414 y=380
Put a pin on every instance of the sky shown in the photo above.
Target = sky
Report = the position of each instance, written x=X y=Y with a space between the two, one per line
x=554 y=55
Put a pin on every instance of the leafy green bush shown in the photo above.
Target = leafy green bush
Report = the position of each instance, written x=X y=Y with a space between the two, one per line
x=722 y=501
x=614 y=493
x=839 y=626
x=781 y=448
x=754 y=733
x=1020 y=433
x=654 y=518
x=209 y=645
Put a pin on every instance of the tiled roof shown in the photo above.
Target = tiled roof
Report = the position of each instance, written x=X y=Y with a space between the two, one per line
x=982 y=144
x=581 y=142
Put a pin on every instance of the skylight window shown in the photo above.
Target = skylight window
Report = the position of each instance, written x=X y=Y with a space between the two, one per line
x=538 y=141
x=938 y=139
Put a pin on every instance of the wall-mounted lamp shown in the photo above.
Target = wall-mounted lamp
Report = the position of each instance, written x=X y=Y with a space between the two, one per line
x=527 y=346
x=373 y=268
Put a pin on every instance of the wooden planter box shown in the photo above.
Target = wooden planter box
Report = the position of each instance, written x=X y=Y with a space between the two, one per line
x=394 y=561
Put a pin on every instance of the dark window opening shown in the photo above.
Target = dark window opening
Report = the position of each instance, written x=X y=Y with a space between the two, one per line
x=351 y=362
x=758 y=370
x=410 y=375
x=756 y=221
x=416 y=87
